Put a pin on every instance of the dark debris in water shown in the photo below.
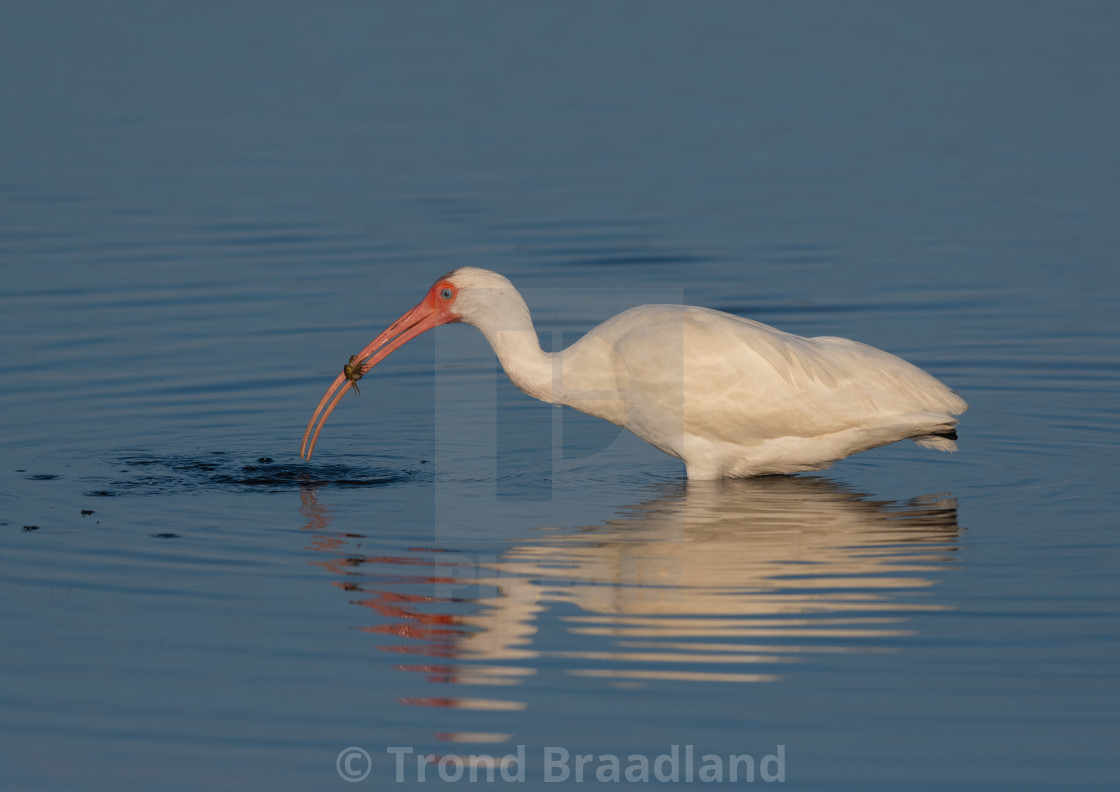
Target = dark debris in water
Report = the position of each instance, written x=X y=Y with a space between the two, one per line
x=165 y=536
x=29 y=528
x=157 y=474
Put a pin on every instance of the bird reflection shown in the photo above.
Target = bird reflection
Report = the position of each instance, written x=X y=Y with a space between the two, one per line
x=725 y=581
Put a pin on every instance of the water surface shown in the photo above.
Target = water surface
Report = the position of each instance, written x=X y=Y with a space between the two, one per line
x=205 y=211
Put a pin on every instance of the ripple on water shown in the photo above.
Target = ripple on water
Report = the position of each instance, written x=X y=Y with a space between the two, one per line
x=147 y=474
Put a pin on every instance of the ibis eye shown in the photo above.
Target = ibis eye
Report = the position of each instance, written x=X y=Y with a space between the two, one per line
x=446 y=294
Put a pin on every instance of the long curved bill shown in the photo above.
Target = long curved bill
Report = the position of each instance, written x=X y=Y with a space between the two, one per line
x=428 y=313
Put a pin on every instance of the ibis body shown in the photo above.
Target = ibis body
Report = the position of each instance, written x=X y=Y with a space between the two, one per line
x=729 y=396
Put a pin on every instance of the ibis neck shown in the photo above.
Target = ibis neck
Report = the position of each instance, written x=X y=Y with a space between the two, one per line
x=514 y=340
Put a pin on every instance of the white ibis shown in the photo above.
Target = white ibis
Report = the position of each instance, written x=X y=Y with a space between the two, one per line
x=728 y=396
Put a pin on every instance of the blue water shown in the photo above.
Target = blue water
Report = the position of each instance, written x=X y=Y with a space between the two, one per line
x=205 y=209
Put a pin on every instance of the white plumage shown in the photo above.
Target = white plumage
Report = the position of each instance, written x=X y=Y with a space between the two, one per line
x=729 y=396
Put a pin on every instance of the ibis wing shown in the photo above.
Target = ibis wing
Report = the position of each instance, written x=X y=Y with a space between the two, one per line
x=709 y=374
